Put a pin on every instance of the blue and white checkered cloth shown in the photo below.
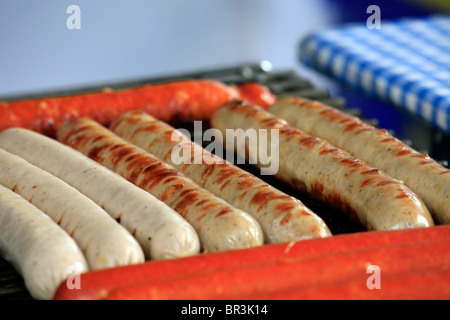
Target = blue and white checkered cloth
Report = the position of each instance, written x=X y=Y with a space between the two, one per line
x=406 y=62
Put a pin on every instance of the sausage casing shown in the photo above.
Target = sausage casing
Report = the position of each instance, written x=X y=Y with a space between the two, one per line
x=103 y=241
x=327 y=173
x=423 y=175
x=220 y=226
x=161 y=231
x=282 y=217
x=43 y=253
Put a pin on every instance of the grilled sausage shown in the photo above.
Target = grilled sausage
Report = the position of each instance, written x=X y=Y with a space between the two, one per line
x=282 y=217
x=160 y=231
x=36 y=246
x=103 y=241
x=183 y=100
x=327 y=173
x=220 y=226
x=423 y=175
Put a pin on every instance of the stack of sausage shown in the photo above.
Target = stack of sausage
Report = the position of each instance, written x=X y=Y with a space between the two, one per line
x=88 y=187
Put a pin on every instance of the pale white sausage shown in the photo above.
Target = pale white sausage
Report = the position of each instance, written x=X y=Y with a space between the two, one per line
x=43 y=253
x=159 y=229
x=103 y=241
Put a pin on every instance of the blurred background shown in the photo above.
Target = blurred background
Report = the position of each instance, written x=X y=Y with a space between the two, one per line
x=122 y=40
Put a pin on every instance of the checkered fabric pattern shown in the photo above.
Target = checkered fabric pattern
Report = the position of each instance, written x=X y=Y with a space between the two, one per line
x=406 y=62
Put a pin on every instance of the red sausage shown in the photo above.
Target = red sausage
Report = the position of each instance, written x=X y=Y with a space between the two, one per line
x=97 y=284
x=183 y=101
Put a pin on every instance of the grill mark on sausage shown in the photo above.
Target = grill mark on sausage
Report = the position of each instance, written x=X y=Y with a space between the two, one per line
x=244 y=184
x=201 y=217
x=286 y=219
x=149 y=127
x=368 y=181
x=208 y=206
x=225 y=184
x=94 y=153
x=269 y=120
x=223 y=211
x=383 y=183
x=130 y=120
x=185 y=203
x=422 y=156
x=284 y=206
x=167 y=134
x=333 y=199
x=421 y=163
x=288 y=130
x=224 y=174
x=155 y=173
x=170 y=191
x=162 y=175
x=234 y=104
x=404 y=152
x=262 y=197
x=201 y=203
x=170 y=179
x=98 y=138
x=352 y=126
x=207 y=172
x=383 y=132
x=74 y=131
x=114 y=147
x=362 y=130
x=185 y=192
x=331 y=114
x=242 y=195
x=136 y=165
x=373 y=171
x=310 y=141
x=119 y=152
x=329 y=150
x=352 y=162
x=344 y=120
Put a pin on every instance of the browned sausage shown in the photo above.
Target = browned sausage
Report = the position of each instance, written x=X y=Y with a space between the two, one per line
x=282 y=217
x=220 y=226
x=314 y=166
x=420 y=173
